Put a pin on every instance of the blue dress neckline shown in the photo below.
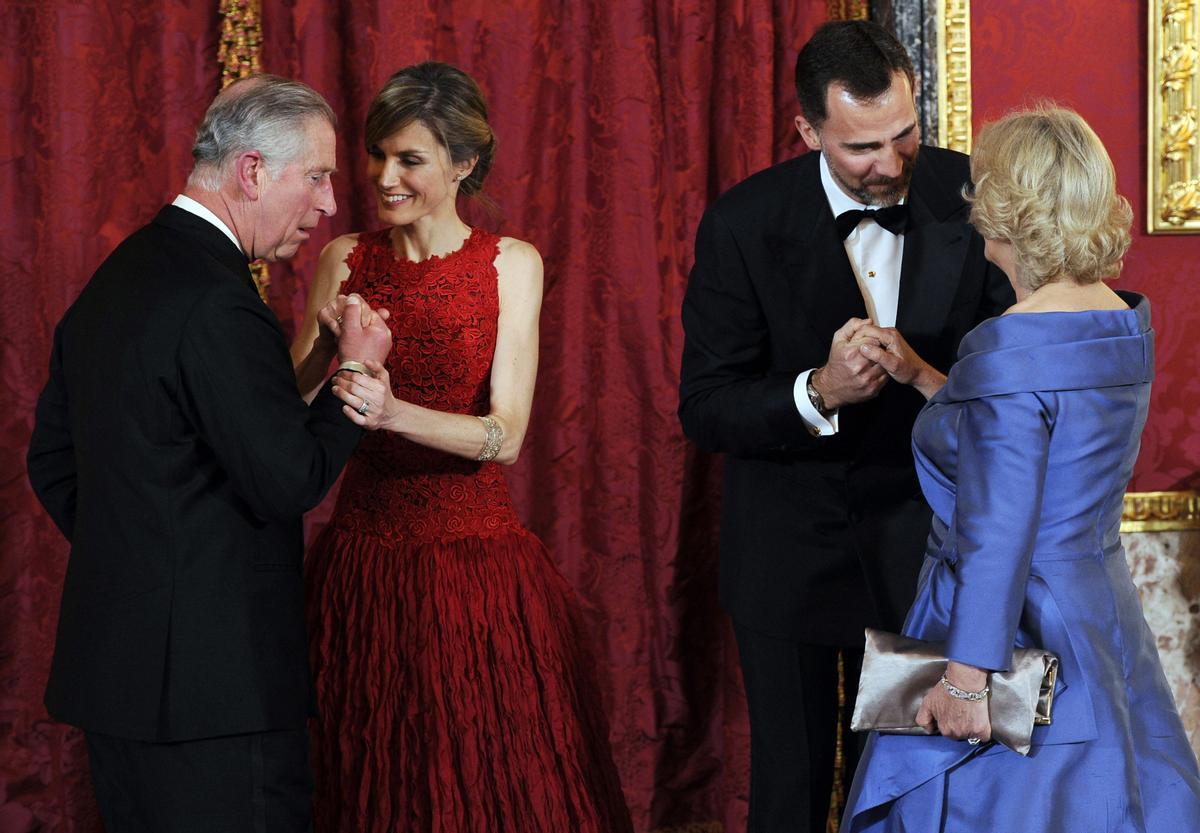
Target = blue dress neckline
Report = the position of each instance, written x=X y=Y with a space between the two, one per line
x=1028 y=352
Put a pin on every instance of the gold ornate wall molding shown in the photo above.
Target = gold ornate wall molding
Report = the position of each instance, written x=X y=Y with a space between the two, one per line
x=1160 y=511
x=954 y=74
x=1173 y=77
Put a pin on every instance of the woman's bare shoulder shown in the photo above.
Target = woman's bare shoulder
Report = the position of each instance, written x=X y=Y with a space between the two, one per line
x=335 y=250
x=517 y=257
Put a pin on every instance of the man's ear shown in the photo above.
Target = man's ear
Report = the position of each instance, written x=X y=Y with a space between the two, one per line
x=251 y=173
x=808 y=133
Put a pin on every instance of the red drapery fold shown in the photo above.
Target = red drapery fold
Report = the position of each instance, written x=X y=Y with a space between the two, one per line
x=99 y=102
x=618 y=122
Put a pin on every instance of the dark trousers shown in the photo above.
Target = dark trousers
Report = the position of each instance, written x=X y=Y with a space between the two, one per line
x=791 y=690
x=253 y=783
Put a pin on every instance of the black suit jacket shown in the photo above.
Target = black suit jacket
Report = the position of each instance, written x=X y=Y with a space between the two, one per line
x=172 y=449
x=820 y=536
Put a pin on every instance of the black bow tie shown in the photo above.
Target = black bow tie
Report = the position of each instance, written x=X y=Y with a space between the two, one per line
x=893 y=218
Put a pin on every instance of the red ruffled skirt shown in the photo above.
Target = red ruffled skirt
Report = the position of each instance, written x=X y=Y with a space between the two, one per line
x=455 y=691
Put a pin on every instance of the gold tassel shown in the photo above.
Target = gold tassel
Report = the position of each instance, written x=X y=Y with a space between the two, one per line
x=847 y=9
x=240 y=57
x=837 y=798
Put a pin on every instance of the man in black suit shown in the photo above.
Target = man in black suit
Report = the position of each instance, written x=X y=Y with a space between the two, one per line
x=173 y=450
x=811 y=333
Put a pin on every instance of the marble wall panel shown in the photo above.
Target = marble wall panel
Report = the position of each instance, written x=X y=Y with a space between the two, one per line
x=915 y=24
x=1166 y=570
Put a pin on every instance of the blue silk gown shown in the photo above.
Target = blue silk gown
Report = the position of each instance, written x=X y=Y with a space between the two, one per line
x=1024 y=456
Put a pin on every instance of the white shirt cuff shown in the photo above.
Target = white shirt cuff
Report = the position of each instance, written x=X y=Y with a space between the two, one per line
x=818 y=425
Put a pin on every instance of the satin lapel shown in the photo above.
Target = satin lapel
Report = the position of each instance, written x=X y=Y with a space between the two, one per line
x=934 y=253
x=822 y=288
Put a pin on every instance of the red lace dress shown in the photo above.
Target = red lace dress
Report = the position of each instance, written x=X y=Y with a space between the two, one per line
x=453 y=685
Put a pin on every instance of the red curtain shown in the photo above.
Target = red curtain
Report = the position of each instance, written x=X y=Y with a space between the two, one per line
x=619 y=120
x=98 y=104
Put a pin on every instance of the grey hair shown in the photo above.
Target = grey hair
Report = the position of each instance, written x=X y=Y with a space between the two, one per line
x=266 y=113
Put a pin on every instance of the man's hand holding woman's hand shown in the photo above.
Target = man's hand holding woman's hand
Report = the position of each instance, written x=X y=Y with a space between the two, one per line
x=863 y=357
x=886 y=348
x=363 y=340
x=368 y=396
x=361 y=332
x=848 y=376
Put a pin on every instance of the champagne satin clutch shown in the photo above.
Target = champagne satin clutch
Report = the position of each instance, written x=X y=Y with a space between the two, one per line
x=898 y=672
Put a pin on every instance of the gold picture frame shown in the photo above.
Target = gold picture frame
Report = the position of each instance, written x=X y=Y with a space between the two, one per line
x=1173 y=101
x=1160 y=511
x=954 y=74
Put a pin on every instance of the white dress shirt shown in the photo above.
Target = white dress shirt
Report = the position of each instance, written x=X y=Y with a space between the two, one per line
x=875 y=256
x=192 y=207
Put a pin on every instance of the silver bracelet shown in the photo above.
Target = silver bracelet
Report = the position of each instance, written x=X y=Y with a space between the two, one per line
x=959 y=694
x=492 y=439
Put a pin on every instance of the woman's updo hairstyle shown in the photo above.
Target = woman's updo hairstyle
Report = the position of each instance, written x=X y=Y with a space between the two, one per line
x=449 y=103
x=1044 y=183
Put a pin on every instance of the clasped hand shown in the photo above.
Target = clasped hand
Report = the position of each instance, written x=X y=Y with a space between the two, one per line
x=863 y=357
x=360 y=333
x=362 y=336
x=368 y=397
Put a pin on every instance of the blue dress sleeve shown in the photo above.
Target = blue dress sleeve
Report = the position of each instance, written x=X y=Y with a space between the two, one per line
x=1003 y=447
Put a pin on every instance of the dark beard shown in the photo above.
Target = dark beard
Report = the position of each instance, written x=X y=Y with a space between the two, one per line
x=897 y=186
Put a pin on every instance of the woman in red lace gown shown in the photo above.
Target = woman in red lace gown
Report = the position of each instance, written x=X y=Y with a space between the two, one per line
x=454 y=689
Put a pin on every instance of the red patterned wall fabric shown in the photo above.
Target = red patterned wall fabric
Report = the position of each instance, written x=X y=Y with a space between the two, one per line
x=99 y=103
x=618 y=122
x=1090 y=55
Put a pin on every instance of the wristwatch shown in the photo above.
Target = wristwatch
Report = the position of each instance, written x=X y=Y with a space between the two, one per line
x=814 y=395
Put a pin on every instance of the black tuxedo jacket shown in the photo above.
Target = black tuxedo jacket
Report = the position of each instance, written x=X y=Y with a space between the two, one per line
x=820 y=536
x=172 y=449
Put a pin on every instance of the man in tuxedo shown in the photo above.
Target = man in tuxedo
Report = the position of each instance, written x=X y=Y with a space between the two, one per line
x=813 y=326
x=173 y=450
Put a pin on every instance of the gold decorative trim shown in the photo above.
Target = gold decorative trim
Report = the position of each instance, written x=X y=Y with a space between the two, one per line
x=1173 y=156
x=837 y=797
x=954 y=74
x=241 y=39
x=847 y=9
x=240 y=56
x=1160 y=511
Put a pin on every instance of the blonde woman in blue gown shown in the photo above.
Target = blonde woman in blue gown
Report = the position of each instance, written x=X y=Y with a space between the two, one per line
x=1024 y=454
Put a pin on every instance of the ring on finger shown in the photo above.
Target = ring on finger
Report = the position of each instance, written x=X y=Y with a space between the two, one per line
x=338 y=320
x=974 y=741
x=363 y=408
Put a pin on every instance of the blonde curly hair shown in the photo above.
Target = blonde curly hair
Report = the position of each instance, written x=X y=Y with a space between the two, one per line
x=1044 y=183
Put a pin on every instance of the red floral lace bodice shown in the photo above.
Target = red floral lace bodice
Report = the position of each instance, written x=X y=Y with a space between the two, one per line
x=443 y=320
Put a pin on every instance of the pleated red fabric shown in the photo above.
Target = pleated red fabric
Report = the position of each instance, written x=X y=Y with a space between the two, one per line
x=453 y=676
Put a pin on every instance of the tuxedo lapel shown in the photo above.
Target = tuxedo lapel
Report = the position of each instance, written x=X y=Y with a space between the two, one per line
x=822 y=288
x=823 y=284
x=935 y=249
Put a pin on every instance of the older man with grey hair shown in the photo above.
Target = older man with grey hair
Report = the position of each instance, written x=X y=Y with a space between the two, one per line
x=173 y=450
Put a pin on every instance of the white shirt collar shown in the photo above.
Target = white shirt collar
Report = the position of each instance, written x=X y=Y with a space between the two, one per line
x=192 y=207
x=839 y=201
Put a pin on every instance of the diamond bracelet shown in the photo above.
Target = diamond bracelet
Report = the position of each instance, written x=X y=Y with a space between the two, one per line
x=959 y=694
